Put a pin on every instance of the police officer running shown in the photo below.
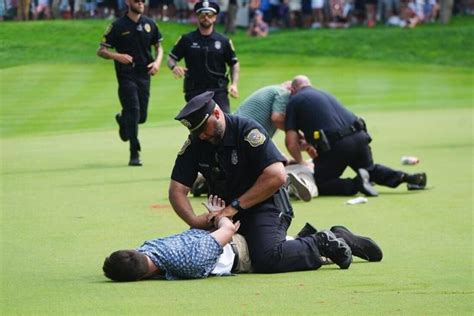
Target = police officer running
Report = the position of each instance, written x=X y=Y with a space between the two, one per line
x=245 y=169
x=132 y=37
x=341 y=140
x=206 y=54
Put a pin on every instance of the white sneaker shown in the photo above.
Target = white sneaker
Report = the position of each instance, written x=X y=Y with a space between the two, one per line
x=301 y=189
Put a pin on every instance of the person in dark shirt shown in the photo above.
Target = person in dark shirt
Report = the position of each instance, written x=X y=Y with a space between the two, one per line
x=244 y=168
x=341 y=140
x=132 y=37
x=207 y=55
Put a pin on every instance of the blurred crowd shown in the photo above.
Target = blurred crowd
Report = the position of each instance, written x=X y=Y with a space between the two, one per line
x=257 y=16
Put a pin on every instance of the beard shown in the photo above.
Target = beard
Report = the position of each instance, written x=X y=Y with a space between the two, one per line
x=205 y=24
x=218 y=134
x=136 y=10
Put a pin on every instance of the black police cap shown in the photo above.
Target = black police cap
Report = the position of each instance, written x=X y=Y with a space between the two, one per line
x=206 y=6
x=195 y=113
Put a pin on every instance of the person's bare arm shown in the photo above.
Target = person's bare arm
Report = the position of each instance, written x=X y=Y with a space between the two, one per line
x=103 y=52
x=178 y=71
x=178 y=197
x=278 y=119
x=154 y=67
x=225 y=230
x=271 y=179
x=234 y=80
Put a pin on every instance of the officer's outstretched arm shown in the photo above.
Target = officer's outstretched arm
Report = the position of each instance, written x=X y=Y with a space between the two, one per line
x=178 y=196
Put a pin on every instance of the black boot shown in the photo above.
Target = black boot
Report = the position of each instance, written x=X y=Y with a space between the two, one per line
x=362 y=247
x=416 y=181
x=334 y=248
x=135 y=160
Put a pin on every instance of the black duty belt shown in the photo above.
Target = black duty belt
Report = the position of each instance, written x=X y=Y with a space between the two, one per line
x=236 y=257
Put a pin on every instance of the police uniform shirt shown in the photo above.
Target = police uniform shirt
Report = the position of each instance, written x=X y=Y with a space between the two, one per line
x=311 y=109
x=205 y=56
x=134 y=39
x=244 y=152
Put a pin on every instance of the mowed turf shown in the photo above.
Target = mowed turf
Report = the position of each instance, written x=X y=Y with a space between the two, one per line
x=68 y=199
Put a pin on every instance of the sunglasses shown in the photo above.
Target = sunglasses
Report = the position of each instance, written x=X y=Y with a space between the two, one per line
x=208 y=14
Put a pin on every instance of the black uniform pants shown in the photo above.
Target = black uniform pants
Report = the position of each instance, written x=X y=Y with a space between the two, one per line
x=352 y=151
x=270 y=252
x=220 y=96
x=134 y=92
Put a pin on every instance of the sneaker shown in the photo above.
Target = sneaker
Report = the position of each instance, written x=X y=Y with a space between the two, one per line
x=307 y=230
x=334 y=248
x=122 y=132
x=362 y=247
x=301 y=189
x=365 y=187
x=418 y=182
x=199 y=186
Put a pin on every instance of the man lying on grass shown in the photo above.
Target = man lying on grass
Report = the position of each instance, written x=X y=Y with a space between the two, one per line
x=197 y=253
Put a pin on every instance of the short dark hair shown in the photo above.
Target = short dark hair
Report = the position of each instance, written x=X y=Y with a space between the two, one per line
x=125 y=265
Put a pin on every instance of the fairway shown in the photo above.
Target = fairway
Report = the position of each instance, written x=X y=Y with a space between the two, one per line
x=68 y=199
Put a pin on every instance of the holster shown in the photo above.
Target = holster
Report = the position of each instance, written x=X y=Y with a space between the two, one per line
x=321 y=141
x=282 y=201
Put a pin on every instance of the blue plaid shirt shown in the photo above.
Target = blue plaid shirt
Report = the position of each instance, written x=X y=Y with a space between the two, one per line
x=192 y=254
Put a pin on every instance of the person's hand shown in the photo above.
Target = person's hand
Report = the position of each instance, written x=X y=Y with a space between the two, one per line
x=233 y=91
x=312 y=152
x=179 y=72
x=153 y=68
x=123 y=58
x=226 y=212
x=214 y=204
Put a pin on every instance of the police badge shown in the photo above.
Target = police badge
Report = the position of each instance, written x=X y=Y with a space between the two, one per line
x=234 y=158
x=147 y=28
x=255 y=138
x=218 y=45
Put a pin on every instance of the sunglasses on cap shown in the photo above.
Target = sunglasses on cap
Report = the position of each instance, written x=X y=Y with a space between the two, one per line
x=208 y=14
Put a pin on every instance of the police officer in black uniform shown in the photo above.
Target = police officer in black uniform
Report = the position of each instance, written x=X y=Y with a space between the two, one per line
x=244 y=168
x=206 y=54
x=341 y=140
x=132 y=36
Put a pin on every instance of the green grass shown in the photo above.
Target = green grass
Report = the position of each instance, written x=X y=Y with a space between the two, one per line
x=68 y=199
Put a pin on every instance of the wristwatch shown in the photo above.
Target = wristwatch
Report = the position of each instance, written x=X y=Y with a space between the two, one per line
x=236 y=204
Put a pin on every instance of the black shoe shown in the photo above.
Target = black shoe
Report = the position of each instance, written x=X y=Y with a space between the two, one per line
x=135 y=162
x=302 y=190
x=307 y=230
x=334 y=248
x=417 y=181
x=365 y=187
x=122 y=132
x=362 y=247
x=199 y=186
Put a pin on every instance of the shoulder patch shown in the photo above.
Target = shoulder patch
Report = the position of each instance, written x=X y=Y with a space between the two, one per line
x=255 y=138
x=108 y=29
x=185 y=146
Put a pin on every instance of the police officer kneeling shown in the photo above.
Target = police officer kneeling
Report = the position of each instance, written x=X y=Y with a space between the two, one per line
x=244 y=167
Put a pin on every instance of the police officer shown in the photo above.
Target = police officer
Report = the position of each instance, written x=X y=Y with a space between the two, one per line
x=244 y=167
x=341 y=140
x=132 y=37
x=206 y=54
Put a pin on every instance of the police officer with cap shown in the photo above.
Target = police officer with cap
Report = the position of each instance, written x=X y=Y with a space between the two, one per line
x=244 y=168
x=341 y=140
x=207 y=55
x=132 y=37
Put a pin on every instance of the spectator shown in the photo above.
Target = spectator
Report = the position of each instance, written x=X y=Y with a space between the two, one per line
x=258 y=27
